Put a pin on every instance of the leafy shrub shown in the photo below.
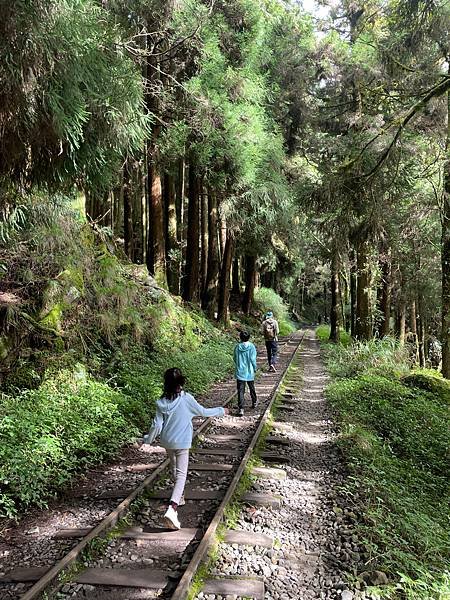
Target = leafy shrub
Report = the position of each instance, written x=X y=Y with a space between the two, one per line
x=267 y=299
x=383 y=357
x=394 y=434
x=431 y=381
x=48 y=434
x=323 y=335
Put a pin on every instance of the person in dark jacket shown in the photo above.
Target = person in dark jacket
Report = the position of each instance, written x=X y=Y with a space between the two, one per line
x=245 y=362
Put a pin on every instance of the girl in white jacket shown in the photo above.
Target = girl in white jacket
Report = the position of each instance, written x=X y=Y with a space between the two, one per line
x=173 y=422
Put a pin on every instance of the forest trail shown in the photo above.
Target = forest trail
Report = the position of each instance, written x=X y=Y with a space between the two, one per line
x=316 y=544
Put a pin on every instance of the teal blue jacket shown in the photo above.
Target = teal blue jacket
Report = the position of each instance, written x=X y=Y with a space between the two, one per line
x=245 y=361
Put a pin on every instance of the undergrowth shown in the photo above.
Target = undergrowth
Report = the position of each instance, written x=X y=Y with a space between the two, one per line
x=84 y=345
x=394 y=435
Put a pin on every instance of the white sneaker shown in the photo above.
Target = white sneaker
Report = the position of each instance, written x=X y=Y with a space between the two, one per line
x=241 y=412
x=171 y=518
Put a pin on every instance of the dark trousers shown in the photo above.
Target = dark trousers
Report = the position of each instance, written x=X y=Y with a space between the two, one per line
x=241 y=392
x=272 y=348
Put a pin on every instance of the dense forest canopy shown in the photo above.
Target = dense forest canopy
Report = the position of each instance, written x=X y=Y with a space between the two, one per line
x=232 y=144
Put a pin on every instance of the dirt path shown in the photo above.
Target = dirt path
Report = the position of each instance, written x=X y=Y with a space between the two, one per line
x=315 y=544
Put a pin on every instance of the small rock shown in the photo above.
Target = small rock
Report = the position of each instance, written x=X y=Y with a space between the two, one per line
x=374 y=577
x=347 y=595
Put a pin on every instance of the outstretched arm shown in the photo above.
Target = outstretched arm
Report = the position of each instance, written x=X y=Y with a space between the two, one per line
x=155 y=429
x=200 y=411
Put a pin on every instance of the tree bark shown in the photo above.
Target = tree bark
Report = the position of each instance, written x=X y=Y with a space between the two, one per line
x=385 y=299
x=192 y=273
x=353 y=294
x=335 y=310
x=402 y=322
x=224 y=281
x=156 y=260
x=445 y=254
x=413 y=329
x=250 y=281
x=212 y=275
x=172 y=247
x=236 y=284
x=421 y=331
x=204 y=239
x=363 y=321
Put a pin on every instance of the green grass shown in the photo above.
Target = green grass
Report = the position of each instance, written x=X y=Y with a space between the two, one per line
x=394 y=436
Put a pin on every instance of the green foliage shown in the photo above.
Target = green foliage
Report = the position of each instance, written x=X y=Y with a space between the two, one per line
x=323 y=335
x=47 y=434
x=267 y=299
x=395 y=439
x=384 y=357
x=431 y=381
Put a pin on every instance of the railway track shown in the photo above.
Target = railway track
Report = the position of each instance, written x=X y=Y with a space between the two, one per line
x=144 y=561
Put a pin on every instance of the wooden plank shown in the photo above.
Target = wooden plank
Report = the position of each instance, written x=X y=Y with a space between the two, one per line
x=136 y=578
x=248 y=538
x=190 y=494
x=216 y=451
x=160 y=535
x=286 y=408
x=265 y=473
x=272 y=439
x=24 y=574
x=224 y=438
x=210 y=467
x=120 y=493
x=262 y=499
x=274 y=457
x=247 y=588
x=139 y=467
x=69 y=533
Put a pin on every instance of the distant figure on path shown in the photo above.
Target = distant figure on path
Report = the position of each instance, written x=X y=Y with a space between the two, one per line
x=245 y=361
x=270 y=331
x=173 y=420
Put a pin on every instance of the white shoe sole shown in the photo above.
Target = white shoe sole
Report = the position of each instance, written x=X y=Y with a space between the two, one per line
x=170 y=524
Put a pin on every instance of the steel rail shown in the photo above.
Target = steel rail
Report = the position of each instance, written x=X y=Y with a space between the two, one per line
x=182 y=590
x=113 y=517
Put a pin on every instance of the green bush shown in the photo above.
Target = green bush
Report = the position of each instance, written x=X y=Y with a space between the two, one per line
x=394 y=435
x=267 y=299
x=381 y=357
x=48 y=434
x=323 y=335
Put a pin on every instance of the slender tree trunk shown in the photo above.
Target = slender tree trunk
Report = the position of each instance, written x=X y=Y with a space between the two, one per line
x=157 y=247
x=445 y=254
x=172 y=247
x=250 y=281
x=236 y=285
x=353 y=294
x=205 y=239
x=212 y=275
x=224 y=280
x=363 y=325
x=420 y=331
x=413 y=328
x=385 y=300
x=402 y=321
x=335 y=310
x=191 y=281
x=127 y=211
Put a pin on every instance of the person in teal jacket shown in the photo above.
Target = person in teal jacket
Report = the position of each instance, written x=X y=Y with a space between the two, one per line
x=173 y=423
x=245 y=362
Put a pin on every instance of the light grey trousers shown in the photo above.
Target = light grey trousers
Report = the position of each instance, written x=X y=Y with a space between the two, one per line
x=179 y=462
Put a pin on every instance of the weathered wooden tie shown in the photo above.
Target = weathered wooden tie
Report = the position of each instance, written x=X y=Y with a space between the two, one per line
x=274 y=457
x=152 y=579
x=266 y=473
x=247 y=588
x=248 y=538
x=262 y=500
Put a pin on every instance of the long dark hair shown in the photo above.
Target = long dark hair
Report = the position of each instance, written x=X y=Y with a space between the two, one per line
x=173 y=383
